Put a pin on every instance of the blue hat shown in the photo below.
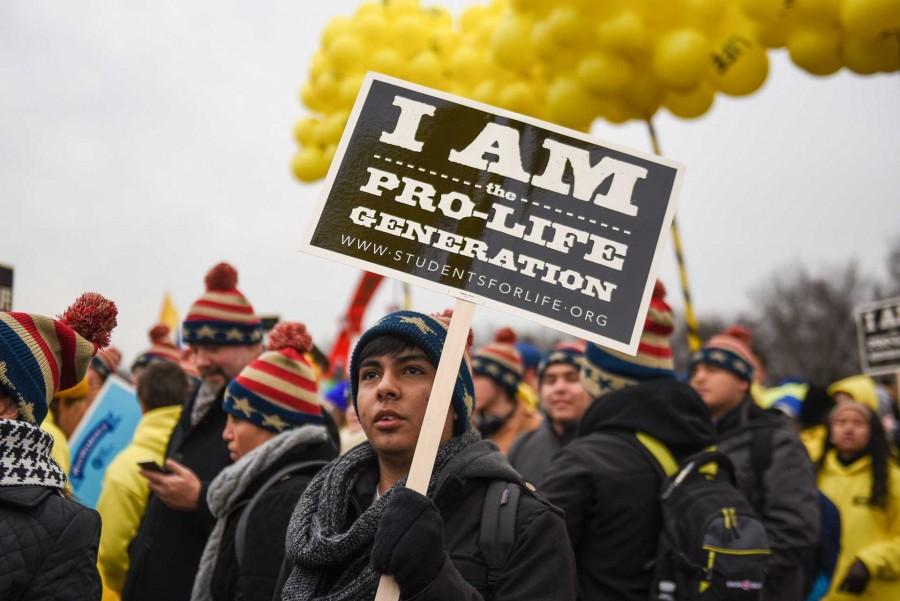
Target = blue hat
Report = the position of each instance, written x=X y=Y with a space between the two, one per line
x=570 y=353
x=427 y=333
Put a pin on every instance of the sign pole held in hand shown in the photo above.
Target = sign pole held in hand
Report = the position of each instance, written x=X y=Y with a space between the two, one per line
x=435 y=416
x=497 y=209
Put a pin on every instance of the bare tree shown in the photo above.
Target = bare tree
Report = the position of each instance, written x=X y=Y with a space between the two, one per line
x=804 y=323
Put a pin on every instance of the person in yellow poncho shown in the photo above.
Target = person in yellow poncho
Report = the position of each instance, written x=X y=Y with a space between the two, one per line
x=856 y=472
x=123 y=498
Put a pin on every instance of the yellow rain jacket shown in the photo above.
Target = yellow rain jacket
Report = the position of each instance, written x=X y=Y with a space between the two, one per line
x=124 y=495
x=60 y=451
x=868 y=533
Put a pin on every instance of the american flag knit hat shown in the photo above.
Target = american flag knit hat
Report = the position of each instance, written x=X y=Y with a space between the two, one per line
x=222 y=316
x=500 y=361
x=605 y=370
x=161 y=348
x=40 y=356
x=277 y=391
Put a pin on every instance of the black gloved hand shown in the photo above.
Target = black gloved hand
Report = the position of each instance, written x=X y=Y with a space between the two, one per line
x=409 y=543
x=856 y=580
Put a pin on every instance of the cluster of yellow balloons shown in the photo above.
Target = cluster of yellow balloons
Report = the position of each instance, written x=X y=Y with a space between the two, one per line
x=822 y=36
x=396 y=37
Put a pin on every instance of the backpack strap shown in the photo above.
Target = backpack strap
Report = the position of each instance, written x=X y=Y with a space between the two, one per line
x=498 y=527
x=761 y=445
x=240 y=533
x=660 y=452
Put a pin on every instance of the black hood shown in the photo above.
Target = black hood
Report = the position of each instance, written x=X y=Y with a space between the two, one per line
x=666 y=409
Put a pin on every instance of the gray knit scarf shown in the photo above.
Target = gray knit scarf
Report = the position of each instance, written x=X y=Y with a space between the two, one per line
x=25 y=456
x=230 y=485
x=316 y=541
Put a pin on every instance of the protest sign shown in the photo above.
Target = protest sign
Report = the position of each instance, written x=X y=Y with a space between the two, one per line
x=878 y=330
x=493 y=208
x=6 y=287
x=104 y=431
x=497 y=208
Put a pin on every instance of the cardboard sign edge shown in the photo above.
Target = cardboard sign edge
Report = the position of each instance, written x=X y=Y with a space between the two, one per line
x=858 y=310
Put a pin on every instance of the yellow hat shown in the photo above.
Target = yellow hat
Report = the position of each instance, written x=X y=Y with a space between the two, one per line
x=78 y=391
x=861 y=388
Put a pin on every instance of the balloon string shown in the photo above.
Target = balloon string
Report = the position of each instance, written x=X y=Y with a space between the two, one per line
x=690 y=318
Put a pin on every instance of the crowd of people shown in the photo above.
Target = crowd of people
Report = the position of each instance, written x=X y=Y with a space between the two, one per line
x=574 y=472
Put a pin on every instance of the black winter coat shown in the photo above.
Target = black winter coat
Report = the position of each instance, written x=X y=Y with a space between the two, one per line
x=609 y=486
x=264 y=543
x=48 y=546
x=532 y=452
x=540 y=566
x=166 y=551
x=784 y=496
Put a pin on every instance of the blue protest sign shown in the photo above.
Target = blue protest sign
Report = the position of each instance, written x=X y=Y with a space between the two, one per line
x=104 y=431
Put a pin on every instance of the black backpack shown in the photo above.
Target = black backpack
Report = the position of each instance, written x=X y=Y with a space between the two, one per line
x=712 y=544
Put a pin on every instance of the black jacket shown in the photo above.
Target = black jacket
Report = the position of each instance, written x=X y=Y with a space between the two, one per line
x=540 y=566
x=784 y=497
x=609 y=486
x=264 y=544
x=166 y=551
x=533 y=451
x=48 y=546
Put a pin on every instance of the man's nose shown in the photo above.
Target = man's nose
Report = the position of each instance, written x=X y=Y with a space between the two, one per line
x=388 y=386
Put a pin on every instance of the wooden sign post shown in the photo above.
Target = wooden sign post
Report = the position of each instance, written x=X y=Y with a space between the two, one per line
x=498 y=209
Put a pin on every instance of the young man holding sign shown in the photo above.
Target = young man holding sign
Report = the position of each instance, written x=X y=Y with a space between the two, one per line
x=357 y=520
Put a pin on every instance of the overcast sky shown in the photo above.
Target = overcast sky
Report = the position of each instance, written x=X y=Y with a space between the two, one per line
x=140 y=143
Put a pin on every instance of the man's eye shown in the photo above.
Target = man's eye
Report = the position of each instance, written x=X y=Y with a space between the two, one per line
x=414 y=370
x=368 y=374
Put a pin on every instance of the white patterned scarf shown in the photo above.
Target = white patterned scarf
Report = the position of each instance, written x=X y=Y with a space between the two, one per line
x=25 y=456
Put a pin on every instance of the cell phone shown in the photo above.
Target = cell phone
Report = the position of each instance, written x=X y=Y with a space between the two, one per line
x=152 y=466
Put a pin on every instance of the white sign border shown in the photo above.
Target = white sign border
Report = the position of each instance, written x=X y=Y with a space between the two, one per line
x=858 y=311
x=371 y=76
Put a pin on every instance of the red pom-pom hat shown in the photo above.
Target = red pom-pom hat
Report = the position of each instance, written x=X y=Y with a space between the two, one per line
x=500 y=361
x=161 y=348
x=278 y=390
x=40 y=356
x=222 y=315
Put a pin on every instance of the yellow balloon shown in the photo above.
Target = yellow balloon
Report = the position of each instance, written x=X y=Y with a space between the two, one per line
x=511 y=43
x=738 y=65
x=409 y=34
x=473 y=16
x=348 y=90
x=468 y=65
x=816 y=49
x=615 y=110
x=485 y=92
x=763 y=10
x=604 y=73
x=333 y=127
x=336 y=27
x=690 y=104
x=680 y=58
x=346 y=53
x=772 y=34
x=868 y=18
x=543 y=40
x=371 y=28
x=824 y=12
x=518 y=97
x=305 y=131
x=870 y=56
x=425 y=68
x=567 y=26
x=624 y=32
x=318 y=64
x=398 y=8
x=643 y=95
x=388 y=61
x=705 y=15
x=569 y=104
x=308 y=163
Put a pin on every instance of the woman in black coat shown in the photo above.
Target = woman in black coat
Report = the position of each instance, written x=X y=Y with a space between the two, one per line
x=278 y=440
x=48 y=543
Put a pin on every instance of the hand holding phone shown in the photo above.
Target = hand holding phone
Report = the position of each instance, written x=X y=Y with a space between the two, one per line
x=152 y=466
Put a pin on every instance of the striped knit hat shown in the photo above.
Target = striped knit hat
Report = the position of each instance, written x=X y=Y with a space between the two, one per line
x=106 y=362
x=222 y=316
x=426 y=332
x=606 y=370
x=277 y=391
x=730 y=350
x=500 y=361
x=161 y=348
x=39 y=356
x=569 y=353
